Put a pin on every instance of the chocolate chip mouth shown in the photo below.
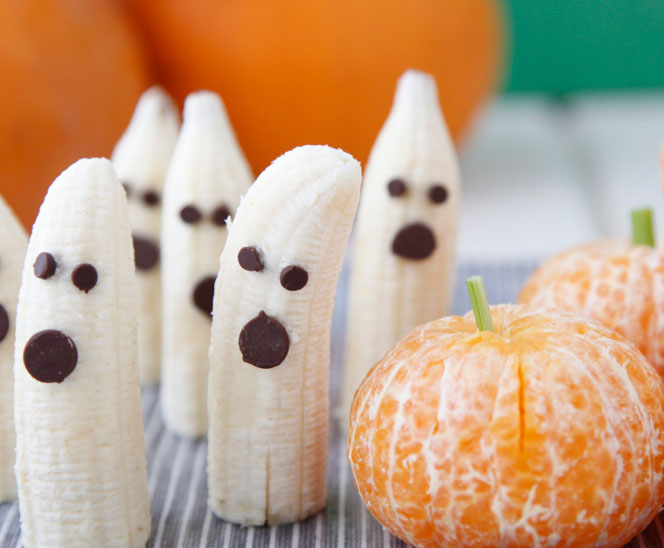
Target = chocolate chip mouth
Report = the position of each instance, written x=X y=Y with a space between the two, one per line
x=146 y=253
x=203 y=295
x=414 y=241
x=50 y=356
x=4 y=323
x=264 y=342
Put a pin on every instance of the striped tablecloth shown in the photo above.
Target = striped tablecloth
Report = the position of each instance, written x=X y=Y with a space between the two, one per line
x=176 y=469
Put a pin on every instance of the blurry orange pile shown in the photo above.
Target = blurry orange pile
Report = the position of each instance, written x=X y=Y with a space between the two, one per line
x=547 y=431
x=290 y=72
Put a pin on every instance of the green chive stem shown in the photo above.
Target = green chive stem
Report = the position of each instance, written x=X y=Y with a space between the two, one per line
x=480 y=303
x=642 y=232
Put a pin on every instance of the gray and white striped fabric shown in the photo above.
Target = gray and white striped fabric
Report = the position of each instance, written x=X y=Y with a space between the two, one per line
x=176 y=468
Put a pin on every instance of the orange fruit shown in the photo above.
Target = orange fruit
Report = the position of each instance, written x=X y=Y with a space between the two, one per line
x=614 y=282
x=548 y=429
x=73 y=70
x=322 y=72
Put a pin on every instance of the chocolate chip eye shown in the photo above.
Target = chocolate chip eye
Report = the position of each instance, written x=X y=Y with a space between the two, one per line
x=397 y=187
x=437 y=194
x=127 y=188
x=44 y=266
x=151 y=198
x=250 y=259
x=220 y=214
x=190 y=214
x=294 y=278
x=84 y=277
x=4 y=323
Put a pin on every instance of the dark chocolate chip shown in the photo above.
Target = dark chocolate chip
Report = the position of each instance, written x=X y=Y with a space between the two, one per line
x=294 y=277
x=4 y=323
x=414 y=241
x=250 y=259
x=396 y=187
x=203 y=295
x=438 y=194
x=50 y=356
x=264 y=342
x=190 y=214
x=127 y=189
x=84 y=277
x=151 y=198
x=44 y=266
x=220 y=214
x=146 y=254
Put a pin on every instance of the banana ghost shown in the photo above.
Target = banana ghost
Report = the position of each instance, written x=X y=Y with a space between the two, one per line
x=141 y=158
x=206 y=177
x=12 y=254
x=80 y=446
x=405 y=236
x=270 y=344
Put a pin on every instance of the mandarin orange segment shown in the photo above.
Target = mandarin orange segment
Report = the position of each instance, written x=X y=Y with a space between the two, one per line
x=548 y=431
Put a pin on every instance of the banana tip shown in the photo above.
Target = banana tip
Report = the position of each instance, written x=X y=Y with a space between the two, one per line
x=202 y=107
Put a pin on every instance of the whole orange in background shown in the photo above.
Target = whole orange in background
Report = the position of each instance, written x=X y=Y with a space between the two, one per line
x=322 y=72
x=72 y=71
x=547 y=431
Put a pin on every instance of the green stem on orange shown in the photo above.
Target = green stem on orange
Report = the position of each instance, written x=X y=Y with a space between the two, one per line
x=480 y=303
x=642 y=232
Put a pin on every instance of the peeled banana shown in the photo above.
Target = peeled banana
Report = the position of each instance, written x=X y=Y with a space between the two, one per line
x=80 y=446
x=269 y=351
x=405 y=236
x=12 y=254
x=141 y=158
x=206 y=177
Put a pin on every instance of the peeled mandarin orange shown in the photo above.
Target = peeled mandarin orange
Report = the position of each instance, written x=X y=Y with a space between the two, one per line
x=547 y=431
x=614 y=282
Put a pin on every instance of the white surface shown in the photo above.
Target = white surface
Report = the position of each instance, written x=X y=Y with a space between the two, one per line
x=541 y=176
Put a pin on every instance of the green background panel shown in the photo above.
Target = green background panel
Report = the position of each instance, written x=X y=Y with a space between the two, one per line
x=566 y=45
